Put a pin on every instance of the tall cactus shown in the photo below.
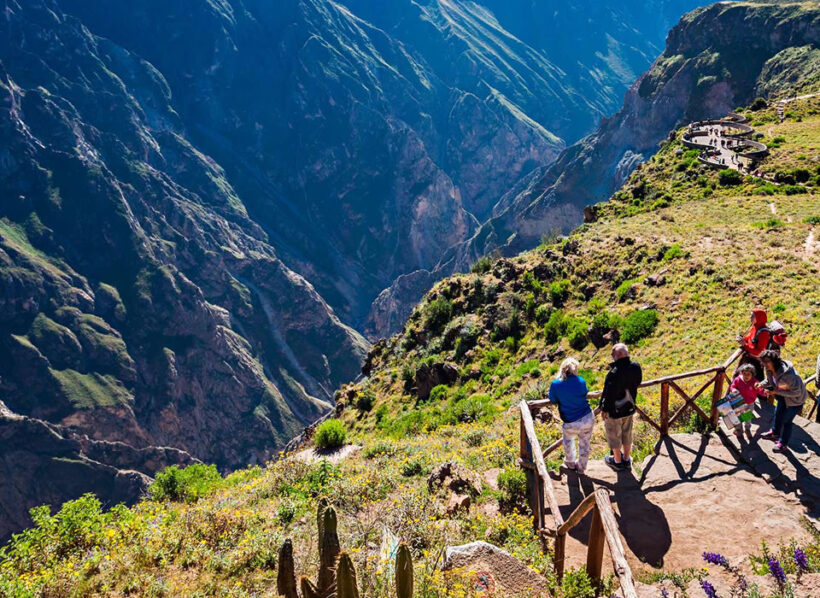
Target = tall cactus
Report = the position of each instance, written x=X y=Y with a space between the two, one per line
x=286 y=575
x=346 y=578
x=308 y=589
x=328 y=552
x=321 y=506
x=404 y=572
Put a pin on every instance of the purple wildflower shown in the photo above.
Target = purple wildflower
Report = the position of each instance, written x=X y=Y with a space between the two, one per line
x=715 y=559
x=708 y=589
x=777 y=571
x=801 y=559
x=664 y=593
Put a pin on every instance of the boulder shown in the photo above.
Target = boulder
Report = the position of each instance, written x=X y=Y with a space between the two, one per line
x=455 y=478
x=430 y=376
x=496 y=571
x=457 y=503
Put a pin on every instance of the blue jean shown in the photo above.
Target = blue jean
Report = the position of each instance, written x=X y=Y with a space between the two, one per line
x=784 y=420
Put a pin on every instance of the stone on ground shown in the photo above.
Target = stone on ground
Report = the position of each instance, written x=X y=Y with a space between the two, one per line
x=495 y=568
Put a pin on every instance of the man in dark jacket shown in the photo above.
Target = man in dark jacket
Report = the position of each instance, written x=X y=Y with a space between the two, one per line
x=618 y=406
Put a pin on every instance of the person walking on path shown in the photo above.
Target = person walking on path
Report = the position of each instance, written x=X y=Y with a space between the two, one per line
x=569 y=391
x=788 y=388
x=618 y=406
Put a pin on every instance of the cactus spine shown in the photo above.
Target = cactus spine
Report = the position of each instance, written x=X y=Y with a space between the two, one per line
x=404 y=572
x=346 y=578
x=308 y=589
x=286 y=576
x=328 y=552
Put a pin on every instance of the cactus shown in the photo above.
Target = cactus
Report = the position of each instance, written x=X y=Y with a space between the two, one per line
x=328 y=552
x=346 y=578
x=308 y=589
x=286 y=576
x=321 y=507
x=404 y=572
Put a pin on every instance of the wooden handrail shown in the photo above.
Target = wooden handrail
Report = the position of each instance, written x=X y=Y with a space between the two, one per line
x=604 y=528
x=540 y=467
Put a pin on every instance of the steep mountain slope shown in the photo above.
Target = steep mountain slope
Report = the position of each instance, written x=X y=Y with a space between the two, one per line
x=673 y=265
x=193 y=191
x=716 y=58
x=140 y=303
x=366 y=141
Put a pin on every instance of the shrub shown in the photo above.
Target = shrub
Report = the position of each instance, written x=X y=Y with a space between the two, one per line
x=624 y=288
x=794 y=189
x=758 y=104
x=436 y=314
x=475 y=438
x=801 y=175
x=379 y=448
x=475 y=408
x=673 y=252
x=638 y=325
x=555 y=327
x=542 y=314
x=364 y=402
x=187 y=484
x=330 y=434
x=512 y=482
x=603 y=322
x=559 y=291
x=482 y=265
x=812 y=220
x=577 y=333
x=439 y=393
x=770 y=223
x=577 y=584
x=412 y=467
x=729 y=178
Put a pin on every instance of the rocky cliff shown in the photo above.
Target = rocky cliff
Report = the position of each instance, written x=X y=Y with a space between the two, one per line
x=716 y=58
x=202 y=200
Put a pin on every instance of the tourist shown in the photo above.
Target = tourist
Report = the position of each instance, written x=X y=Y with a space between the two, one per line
x=788 y=388
x=755 y=341
x=569 y=391
x=618 y=406
x=745 y=384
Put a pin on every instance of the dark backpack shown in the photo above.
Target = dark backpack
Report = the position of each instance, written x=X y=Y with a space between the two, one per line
x=625 y=406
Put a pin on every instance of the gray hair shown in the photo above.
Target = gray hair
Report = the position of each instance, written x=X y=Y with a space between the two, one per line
x=620 y=350
x=569 y=367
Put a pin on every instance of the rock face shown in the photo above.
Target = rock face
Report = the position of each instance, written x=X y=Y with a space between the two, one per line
x=716 y=58
x=455 y=478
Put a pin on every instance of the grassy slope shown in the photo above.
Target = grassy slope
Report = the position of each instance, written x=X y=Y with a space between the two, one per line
x=724 y=252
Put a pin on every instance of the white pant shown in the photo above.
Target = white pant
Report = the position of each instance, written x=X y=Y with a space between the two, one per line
x=581 y=429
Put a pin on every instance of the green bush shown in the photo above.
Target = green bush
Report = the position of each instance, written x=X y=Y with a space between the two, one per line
x=638 y=325
x=815 y=220
x=729 y=178
x=436 y=315
x=412 y=467
x=555 y=327
x=758 y=104
x=365 y=401
x=439 y=393
x=801 y=175
x=482 y=265
x=187 y=484
x=577 y=584
x=475 y=408
x=672 y=253
x=542 y=314
x=379 y=448
x=770 y=223
x=512 y=483
x=577 y=333
x=475 y=438
x=559 y=291
x=794 y=189
x=330 y=434
x=605 y=321
x=624 y=288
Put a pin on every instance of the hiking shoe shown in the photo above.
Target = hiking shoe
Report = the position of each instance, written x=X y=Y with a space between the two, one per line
x=770 y=435
x=579 y=470
x=780 y=448
x=613 y=465
x=626 y=465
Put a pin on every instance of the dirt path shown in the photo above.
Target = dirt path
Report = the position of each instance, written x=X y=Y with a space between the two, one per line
x=694 y=497
x=810 y=246
x=773 y=208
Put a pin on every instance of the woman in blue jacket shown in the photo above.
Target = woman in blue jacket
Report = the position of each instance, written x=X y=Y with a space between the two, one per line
x=569 y=391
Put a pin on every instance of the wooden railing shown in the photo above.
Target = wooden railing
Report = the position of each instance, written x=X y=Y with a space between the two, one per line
x=604 y=525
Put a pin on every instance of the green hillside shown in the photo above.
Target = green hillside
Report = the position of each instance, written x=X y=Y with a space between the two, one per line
x=713 y=250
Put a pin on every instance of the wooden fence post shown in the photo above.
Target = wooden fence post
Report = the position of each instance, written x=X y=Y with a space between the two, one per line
x=595 y=550
x=716 y=396
x=664 y=409
x=558 y=555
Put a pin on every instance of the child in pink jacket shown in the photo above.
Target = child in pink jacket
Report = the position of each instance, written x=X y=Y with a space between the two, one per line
x=746 y=384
